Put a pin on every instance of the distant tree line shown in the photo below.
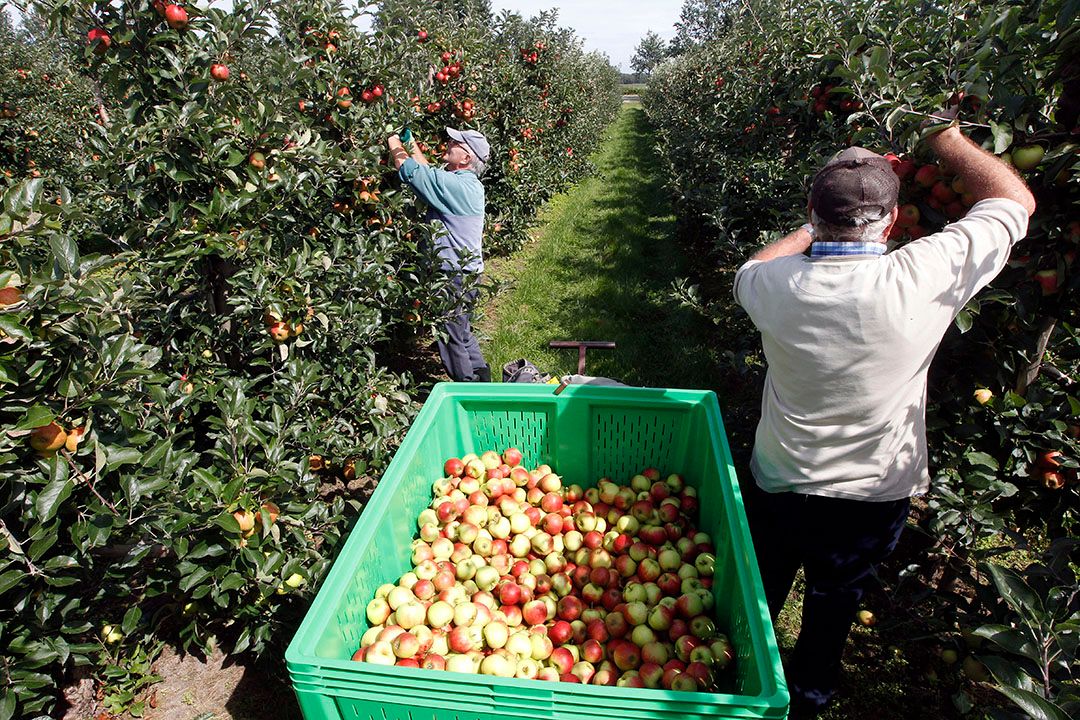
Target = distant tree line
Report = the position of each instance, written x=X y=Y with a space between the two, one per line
x=698 y=20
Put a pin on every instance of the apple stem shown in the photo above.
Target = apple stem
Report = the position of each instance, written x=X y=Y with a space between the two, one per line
x=89 y=483
x=1028 y=373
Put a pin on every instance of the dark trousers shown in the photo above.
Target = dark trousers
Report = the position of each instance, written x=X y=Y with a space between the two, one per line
x=837 y=542
x=460 y=352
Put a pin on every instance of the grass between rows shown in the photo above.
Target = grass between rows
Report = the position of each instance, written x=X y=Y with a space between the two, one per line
x=600 y=268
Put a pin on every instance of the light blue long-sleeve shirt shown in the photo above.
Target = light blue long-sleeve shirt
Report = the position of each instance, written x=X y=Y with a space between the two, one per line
x=457 y=200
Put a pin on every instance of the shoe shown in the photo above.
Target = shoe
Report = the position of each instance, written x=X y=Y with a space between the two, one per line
x=482 y=374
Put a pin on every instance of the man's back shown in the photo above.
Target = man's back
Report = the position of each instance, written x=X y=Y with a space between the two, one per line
x=849 y=340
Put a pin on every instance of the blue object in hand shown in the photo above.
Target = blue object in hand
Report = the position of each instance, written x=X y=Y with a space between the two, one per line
x=406 y=136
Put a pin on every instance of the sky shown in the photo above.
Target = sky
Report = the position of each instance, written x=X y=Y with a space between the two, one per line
x=614 y=27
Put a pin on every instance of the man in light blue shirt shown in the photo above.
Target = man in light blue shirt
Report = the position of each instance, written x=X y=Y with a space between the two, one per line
x=455 y=197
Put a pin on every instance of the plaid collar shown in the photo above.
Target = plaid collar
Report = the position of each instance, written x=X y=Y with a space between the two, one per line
x=828 y=249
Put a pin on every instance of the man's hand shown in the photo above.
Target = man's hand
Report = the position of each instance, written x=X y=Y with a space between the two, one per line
x=939 y=121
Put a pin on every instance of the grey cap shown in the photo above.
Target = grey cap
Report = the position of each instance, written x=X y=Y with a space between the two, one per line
x=475 y=140
x=855 y=187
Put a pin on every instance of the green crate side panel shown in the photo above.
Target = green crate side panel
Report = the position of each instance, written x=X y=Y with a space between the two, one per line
x=729 y=611
x=482 y=698
x=751 y=640
x=625 y=442
x=498 y=428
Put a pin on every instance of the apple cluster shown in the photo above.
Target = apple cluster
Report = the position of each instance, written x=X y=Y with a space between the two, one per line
x=516 y=575
x=281 y=330
x=1049 y=469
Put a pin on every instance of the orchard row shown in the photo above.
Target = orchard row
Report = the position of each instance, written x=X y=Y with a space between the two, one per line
x=214 y=289
x=750 y=113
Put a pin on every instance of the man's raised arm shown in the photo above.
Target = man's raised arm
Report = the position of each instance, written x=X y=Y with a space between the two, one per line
x=984 y=175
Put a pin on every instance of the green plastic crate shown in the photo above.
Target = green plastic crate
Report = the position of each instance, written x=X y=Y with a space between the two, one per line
x=585 y=433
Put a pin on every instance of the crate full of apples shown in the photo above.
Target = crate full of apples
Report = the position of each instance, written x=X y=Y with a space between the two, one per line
x=515 y=574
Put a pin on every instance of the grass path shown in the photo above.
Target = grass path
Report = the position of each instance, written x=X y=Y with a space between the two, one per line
x=600 y=267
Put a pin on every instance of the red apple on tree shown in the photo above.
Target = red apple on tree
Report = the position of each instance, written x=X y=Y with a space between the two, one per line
x=47 y=439
x=176 y=17
x=279 y=332
x=219 y=72
x=1048 y=281
x=100 y=39
x=927 y=175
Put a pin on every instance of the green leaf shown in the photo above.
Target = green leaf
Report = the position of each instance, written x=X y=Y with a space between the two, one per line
x=1006 y=672
x=894 y=116
x=63 y=581
x=10 y=327
x=228 y=523
x=54 y=494
x=7 y=705
x=235 y=158
x=196 y=577
x=879 y=65
x=1015 y=591
x=65 y=252
x=981 y=458
x=118 y=456
x=23 y=198
x=1013 y=400
x=1036 y=706
x=156 y=453
x=963 y=321
x=1011 y=640
x=131 y=620
x=962 y=702
x=10 y=579
x=232 y=581
x=36 y=416
x=1003 y=136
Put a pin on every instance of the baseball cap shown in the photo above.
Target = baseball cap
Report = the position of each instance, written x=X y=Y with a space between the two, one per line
x=475 y=140
x=857 y=186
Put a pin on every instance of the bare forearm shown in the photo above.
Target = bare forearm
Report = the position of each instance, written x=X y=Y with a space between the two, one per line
x=417 y=155
x=983 y=174
x=793 y=243
x=397 y=151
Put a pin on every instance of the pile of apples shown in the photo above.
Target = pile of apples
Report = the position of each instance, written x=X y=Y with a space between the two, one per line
x=516 y=575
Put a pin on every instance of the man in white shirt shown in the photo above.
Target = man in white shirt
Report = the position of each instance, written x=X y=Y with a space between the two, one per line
x=849 y=333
